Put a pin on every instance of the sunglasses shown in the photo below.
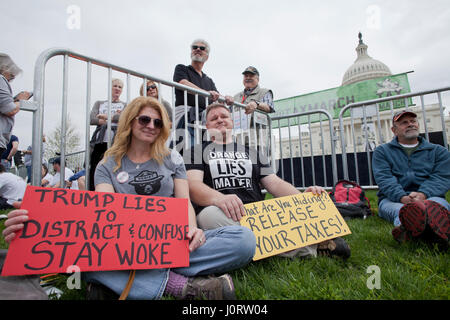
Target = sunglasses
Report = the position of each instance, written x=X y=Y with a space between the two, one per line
x=145 y=120
x=153 y=86
x=203 y=48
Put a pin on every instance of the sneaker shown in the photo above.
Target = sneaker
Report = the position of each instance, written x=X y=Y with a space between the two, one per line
x=401 y=235
x=210 y=288
x=335 y=247
x=413 y=217
x=438 y=219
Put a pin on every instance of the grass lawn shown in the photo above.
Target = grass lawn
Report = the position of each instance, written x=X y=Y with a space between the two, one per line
x=407 y=271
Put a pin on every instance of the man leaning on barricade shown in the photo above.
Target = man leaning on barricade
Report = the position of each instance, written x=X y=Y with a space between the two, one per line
x=254 y=98
x=193 y=76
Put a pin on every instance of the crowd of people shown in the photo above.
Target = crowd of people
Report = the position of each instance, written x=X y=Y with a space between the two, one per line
x=412 y=174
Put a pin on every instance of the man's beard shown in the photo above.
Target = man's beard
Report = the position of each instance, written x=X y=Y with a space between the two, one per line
x=412 y=134
x=197 y=58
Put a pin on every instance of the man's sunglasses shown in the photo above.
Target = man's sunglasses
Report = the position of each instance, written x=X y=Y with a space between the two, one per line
x=153 y=86
x=145 y=120
x=203 y=48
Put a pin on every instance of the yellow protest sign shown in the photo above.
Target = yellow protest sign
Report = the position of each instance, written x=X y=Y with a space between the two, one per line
x=292 y=222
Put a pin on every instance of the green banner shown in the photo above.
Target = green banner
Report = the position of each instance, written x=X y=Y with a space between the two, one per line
x=334 y=99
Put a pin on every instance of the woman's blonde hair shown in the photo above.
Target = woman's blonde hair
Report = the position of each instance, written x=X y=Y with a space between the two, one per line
x=149 y=82
x=122 y=140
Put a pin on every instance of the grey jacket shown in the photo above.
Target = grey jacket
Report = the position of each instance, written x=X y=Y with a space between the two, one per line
x=100 y=132
x=6 y=105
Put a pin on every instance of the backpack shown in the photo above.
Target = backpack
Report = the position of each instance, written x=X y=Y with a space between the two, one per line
x=350 y=200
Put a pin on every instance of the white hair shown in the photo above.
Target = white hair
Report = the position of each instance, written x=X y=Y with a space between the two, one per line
x=202 y=41
x=117 y=80
x=7 y=65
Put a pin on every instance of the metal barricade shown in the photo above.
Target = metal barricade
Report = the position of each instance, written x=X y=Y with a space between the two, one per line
x=37 y=107
x=297 y=159
x=374 y=128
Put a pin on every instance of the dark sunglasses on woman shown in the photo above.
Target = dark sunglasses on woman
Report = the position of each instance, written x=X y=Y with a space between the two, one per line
x=145 y=120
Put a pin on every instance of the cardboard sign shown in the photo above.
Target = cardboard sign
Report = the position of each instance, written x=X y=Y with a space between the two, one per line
x=292 y=222
x=98 y=231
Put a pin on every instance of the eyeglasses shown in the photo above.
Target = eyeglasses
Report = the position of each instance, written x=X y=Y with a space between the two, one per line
x=203 y=48
x=145 y=120
x=153 y=86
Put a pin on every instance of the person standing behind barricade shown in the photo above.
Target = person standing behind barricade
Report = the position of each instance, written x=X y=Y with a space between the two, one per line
x=193 y=76
x=254 y=97
x=9 y=105
x=224 y=175
x=152 y=91
x=139 y=163
x=413 y=176
x=99 y=117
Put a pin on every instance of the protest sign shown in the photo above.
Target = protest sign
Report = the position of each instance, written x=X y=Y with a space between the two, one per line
x=292 y=222
x=98 y=231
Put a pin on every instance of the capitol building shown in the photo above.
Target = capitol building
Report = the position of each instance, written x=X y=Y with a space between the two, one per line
x=365 y=129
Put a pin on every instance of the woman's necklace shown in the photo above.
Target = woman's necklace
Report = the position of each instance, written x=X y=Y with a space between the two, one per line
x=138 y=165
x=138 y=161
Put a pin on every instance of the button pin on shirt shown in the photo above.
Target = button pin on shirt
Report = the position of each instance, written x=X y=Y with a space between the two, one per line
x=122 y=177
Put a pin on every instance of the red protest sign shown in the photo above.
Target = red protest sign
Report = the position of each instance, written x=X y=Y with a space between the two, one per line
x=98 y=231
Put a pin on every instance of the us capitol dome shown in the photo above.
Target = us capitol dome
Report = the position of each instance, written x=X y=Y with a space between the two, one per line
x=364 y=67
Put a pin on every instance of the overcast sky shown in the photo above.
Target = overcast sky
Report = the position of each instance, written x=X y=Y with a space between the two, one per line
x=297 y=46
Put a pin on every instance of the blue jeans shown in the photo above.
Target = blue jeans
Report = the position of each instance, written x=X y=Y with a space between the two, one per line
x=29 y=172
x=225 y=249
x=389 y=210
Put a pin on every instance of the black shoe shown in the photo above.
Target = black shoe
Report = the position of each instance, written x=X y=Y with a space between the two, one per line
x=335 y=247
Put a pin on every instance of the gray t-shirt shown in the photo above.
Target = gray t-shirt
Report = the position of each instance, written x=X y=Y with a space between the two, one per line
x=148 y=178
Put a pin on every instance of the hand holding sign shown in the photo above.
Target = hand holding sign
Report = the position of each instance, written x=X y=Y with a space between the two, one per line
x=292 y=222
x=96 y=231
x=15 y=223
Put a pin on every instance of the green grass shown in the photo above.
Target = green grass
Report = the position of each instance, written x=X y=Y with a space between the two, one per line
x=407 y=271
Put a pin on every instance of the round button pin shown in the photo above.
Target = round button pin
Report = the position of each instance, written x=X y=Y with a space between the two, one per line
x=122 y=177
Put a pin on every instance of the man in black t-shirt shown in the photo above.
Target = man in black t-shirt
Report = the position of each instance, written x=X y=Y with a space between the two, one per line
x=193 y=76
x=224 y=175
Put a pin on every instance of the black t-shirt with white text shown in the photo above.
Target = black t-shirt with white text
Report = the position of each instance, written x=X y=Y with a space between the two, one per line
x=230 y=169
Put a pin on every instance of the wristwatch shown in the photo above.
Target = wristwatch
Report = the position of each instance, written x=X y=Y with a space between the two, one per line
x=257 y=103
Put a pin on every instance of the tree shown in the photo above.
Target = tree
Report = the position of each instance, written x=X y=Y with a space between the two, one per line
x=72 y=138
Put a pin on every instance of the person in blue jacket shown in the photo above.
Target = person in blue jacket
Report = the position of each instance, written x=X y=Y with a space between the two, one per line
x=410 y=173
